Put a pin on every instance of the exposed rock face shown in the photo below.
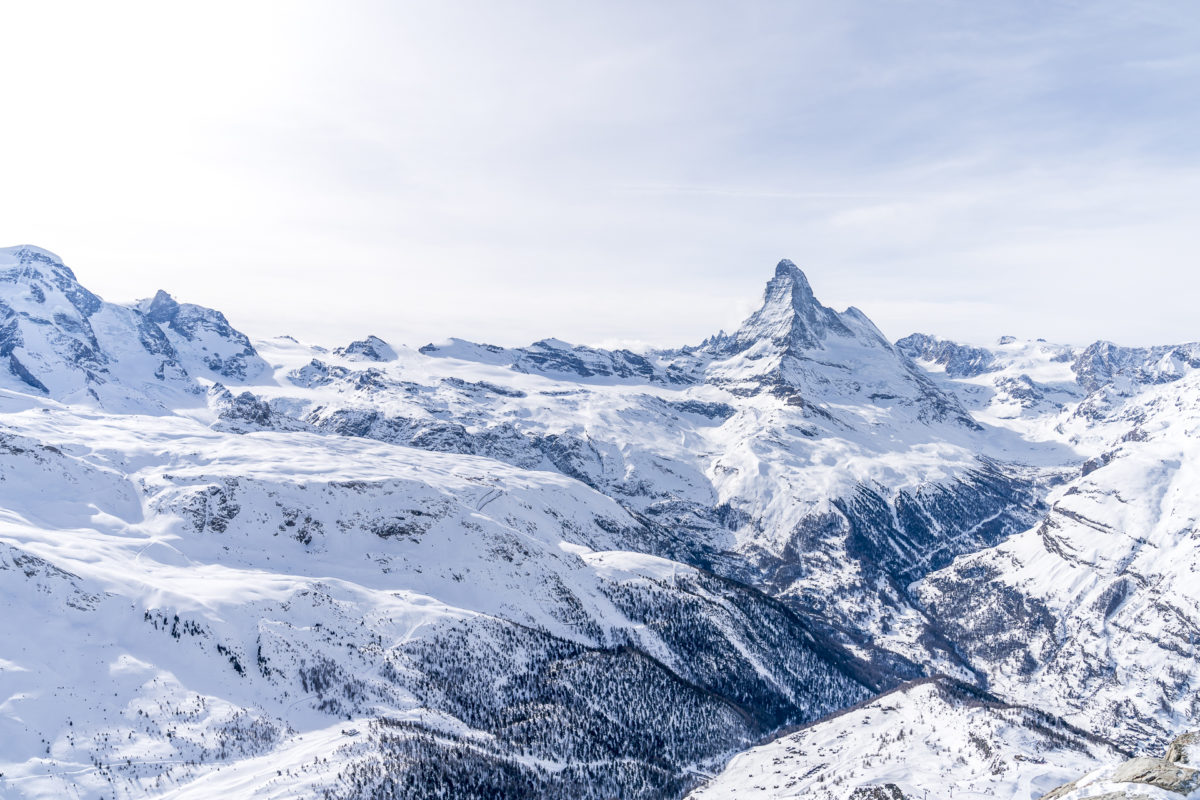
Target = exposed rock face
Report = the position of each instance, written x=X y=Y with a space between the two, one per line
x=624 y=565
x=370 y=349
x=1106 y=364
x=1185 y=749
x=790 y=317
x=246 y=409
x=959 y=360
x=62 y=340
x=1126 y=781
x=1157 y=772
x=207 y=343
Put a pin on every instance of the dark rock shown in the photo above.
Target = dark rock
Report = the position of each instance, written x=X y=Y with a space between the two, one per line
x=959 y=360
x=370 y=349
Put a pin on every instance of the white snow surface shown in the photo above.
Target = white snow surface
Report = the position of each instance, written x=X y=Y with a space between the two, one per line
x=177 y=509
x=1109 y=578
x=924 y=739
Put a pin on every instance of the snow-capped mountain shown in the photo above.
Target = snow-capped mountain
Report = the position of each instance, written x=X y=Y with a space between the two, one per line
x=64 y=342
x=279 y=570
x=837 y=364
x=1093 y=614
x=1089 y=617
x=832 y=465
x=204 y=340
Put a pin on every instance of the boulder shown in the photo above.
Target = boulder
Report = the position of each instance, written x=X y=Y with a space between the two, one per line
x=1185 y=749
x=1158 y=772
x=1161 y=773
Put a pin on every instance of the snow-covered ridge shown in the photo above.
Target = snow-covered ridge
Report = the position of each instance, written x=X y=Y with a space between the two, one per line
x=567 y=571
x=935 y=736
x=62 y=341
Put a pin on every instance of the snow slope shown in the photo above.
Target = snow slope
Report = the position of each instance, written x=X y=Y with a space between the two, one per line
x=223 y=594
x=1090 y=615
x=1093 y=613
x=277 y=569
x=934 y=737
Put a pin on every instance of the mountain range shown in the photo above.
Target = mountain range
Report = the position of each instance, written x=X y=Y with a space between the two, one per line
x=795 y=560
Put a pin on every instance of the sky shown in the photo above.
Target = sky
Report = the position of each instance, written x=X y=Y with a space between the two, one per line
x=614 y=172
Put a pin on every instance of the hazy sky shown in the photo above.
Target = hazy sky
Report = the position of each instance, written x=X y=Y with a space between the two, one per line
x=614 y=172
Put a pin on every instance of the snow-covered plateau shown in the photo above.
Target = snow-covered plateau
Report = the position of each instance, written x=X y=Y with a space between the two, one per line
x=796 y=560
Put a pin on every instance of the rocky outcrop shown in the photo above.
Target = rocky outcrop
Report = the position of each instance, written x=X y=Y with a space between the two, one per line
x=1104 y=363
x=370 y=349
x=1157 y=772
x=1185 y=749
x=1130 y=779
x=204 y=338
x=959 y=360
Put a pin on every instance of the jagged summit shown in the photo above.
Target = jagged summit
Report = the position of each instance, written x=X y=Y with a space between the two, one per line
x=160 y=308
x=64 y=341
x=204 y=338
x=791 y=317
x=788 y=267
x=811 y=355
x=370 y=349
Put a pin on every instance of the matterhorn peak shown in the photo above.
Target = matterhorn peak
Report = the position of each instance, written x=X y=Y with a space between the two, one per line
x=788 y=267
x=791 y=279
x=790 y=315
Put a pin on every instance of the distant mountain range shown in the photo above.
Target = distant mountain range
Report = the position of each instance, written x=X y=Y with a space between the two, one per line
x=796 y=560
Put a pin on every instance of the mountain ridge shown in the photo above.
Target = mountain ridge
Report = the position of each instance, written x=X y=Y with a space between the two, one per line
x=559 y=569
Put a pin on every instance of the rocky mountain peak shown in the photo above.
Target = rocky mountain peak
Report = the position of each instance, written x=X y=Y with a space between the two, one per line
x=28 y=254
x=203 y=337
x=809 y=355
x=786 y=268
x=790 y=315
x=162 y=308
x=790 y=285
x=370 y=349
x=36 y=274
